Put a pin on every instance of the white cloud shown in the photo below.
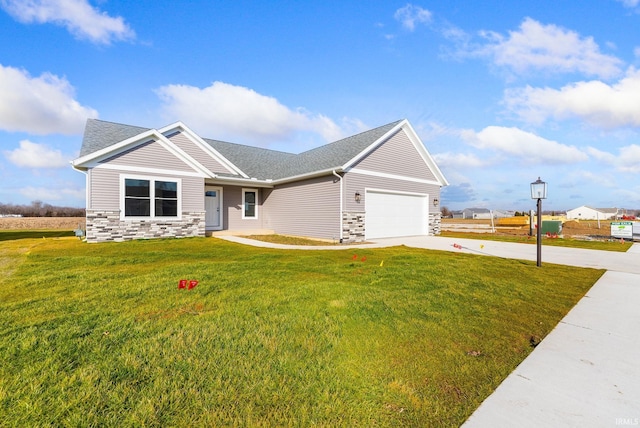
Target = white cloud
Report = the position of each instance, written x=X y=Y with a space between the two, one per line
x=627 y=160
x=40 y=193
x=523 y=145
x=33 y=155
x=458 y=160
x=68 y=193
x=630 y=3
x=77 y=16
x=411 y=15
x=594 y=101
x=228 y=111
x=577 y=178
x=548 y=47
x=39 y=105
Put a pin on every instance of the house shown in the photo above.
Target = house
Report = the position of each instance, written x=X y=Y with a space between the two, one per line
x=587 y=213
x=170 y=182
x=503 y=213
x=473 y=213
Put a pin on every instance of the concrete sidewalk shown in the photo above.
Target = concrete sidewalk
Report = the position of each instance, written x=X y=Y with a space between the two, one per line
x=586 y=372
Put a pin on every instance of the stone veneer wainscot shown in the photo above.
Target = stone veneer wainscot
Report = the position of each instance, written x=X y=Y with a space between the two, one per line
x=103 y=226
x=352 y=227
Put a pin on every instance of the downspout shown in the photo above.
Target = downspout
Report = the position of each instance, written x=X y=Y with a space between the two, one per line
x=79 y=232
x=86 y=184
x=341 y=199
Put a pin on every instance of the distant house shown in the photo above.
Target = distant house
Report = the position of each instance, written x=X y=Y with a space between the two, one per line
x=473 y=213
x=503 y=214
x=587 y=213
x=170 y=182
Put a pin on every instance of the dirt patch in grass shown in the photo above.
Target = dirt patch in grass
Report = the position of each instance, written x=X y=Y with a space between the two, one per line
x=41 y=223
x=570 y=229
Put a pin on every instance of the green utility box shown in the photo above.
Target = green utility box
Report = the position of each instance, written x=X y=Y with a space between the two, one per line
x=552 y=226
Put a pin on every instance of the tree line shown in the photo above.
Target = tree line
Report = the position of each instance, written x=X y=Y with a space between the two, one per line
x=40 y=209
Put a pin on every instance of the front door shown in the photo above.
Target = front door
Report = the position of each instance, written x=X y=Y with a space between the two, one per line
x=212 y=208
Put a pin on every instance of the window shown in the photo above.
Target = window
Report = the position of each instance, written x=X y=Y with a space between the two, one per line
x=249 y=203
x=148 y=197
x=137 y=198
x=166 y=198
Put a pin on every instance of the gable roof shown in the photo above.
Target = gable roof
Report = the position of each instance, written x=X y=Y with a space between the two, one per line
x=255 y=162
x=275 y=165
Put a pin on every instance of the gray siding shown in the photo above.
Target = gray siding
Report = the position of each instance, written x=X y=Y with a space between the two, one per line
x=397 y=156
x=104 y=190
x=307 y=208
x=232 y=209
x=192 y=194
x=354 y=182
x=183 y=142
x=148 y=154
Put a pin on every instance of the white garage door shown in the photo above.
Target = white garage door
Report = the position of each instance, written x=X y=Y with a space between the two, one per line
x=394 y=214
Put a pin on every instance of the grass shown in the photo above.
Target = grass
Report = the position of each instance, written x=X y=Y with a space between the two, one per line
x=289 y=240
x=604 y=245
x=100 y=334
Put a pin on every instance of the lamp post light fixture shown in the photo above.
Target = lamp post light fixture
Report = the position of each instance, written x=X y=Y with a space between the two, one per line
x=539 y=192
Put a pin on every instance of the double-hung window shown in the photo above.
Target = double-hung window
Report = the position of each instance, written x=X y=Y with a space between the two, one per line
x=249 y=203
x=150 y=197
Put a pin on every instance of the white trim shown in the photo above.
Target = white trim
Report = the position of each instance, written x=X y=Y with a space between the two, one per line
x=200 y=143
x=392 y=176
x=234 y=181
x=394 y=192
x=116 y=148
x=152 y=179
x=144 y=170
x=255 y=190
x=151 y=136
x=415 y=140
x=372 y=146
x=426 y=156
x=87 y=189
x=341 y=203
x=304 y=176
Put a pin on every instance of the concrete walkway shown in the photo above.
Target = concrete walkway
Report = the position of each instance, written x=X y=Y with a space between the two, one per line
x=586 y=372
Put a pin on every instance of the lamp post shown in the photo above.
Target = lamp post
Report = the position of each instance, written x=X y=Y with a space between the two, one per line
x=539 y=192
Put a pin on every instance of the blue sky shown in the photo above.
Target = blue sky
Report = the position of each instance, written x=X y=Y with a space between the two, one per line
x=499 y=92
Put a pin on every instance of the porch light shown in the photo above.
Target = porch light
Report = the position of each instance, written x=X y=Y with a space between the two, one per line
x=539 y=192
x=538 y=189
x=357 y=196
x=435 y=202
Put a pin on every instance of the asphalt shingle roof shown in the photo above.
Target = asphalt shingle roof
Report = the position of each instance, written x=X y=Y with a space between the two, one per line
x=99 y=134
x=256 y=162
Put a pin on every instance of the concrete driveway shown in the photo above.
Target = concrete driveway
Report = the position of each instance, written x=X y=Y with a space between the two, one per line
x=586 y=372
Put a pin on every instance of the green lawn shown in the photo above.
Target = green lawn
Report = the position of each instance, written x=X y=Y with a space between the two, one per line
x=100 y=334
